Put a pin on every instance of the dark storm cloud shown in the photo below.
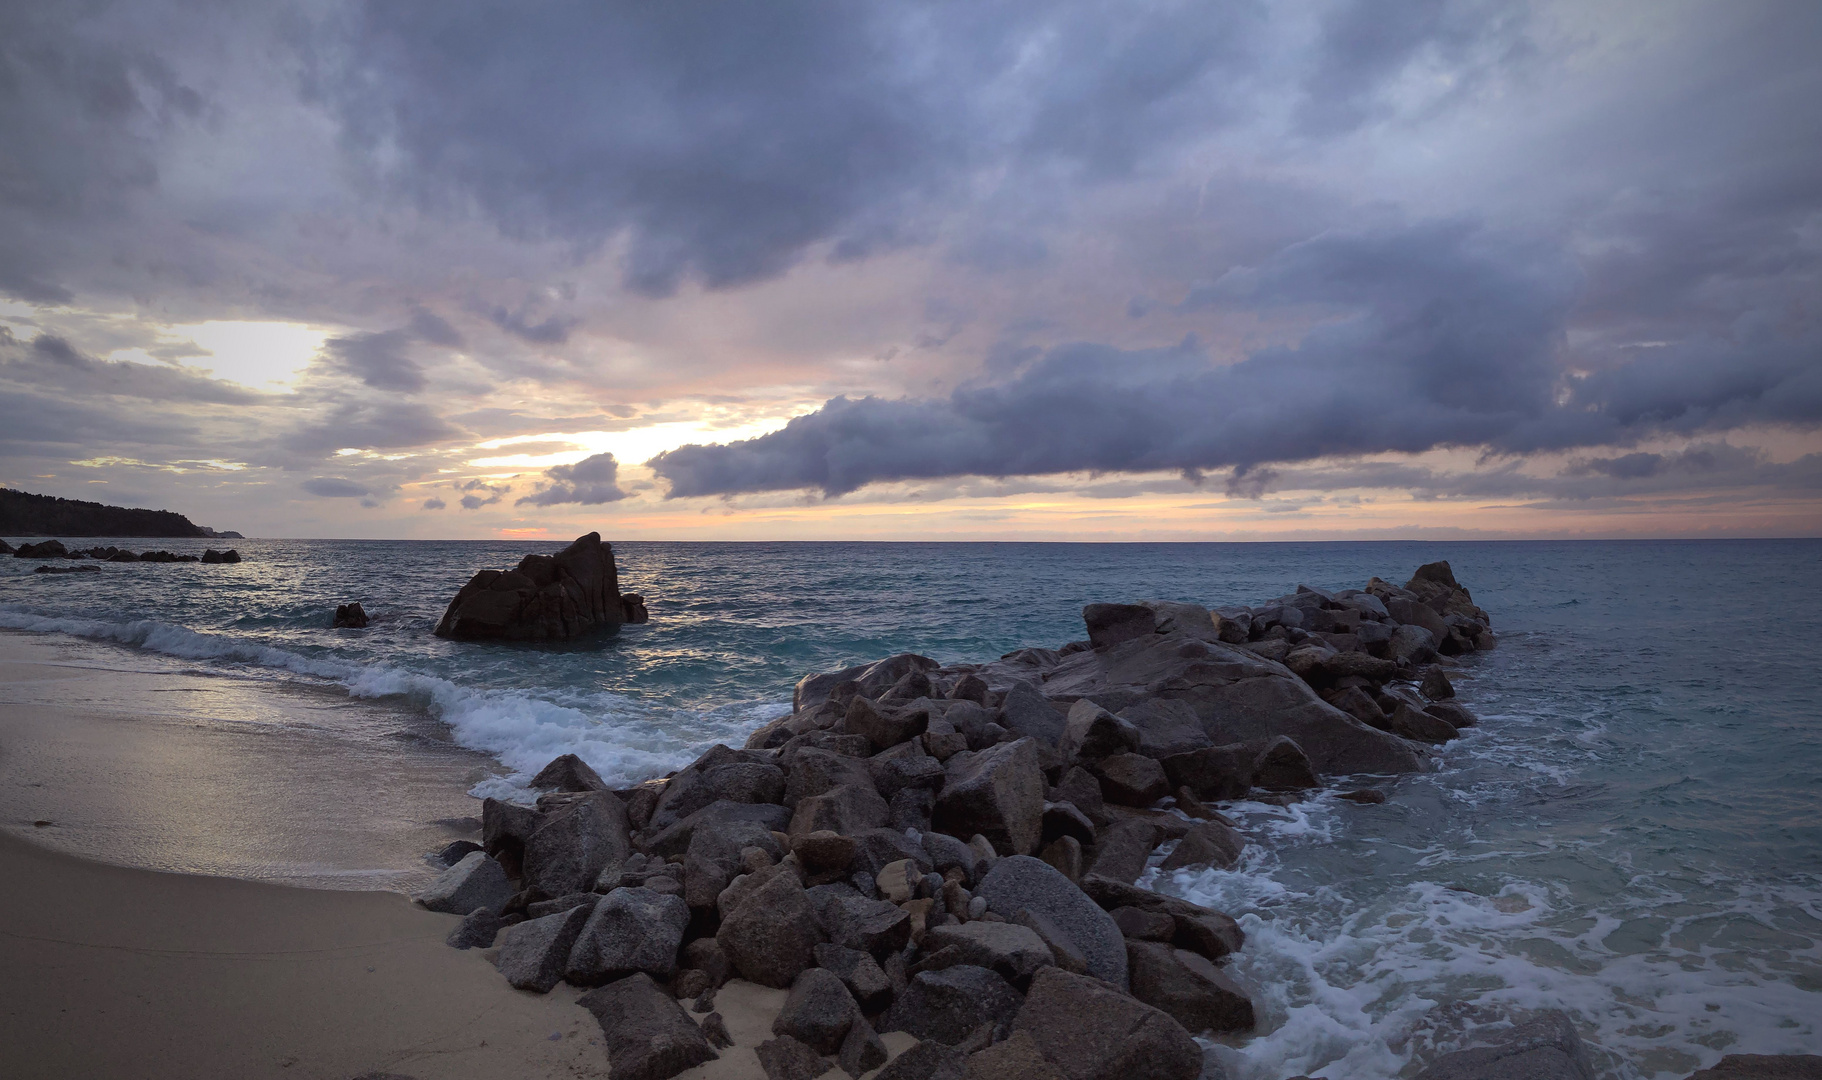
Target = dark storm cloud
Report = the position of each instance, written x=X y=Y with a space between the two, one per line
x=378 y=359
x=1435 y=336
x=591 y=482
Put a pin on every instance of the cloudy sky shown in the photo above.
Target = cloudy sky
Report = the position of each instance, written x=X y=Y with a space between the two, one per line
x=1104 y=270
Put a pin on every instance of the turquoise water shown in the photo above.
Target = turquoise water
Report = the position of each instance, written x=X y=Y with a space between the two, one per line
x=1634 y=833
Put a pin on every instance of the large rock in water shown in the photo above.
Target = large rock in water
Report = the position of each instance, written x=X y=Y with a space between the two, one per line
x=1237 y=695
x=546 y=598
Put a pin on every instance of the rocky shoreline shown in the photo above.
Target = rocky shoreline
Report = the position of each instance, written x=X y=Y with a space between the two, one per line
x=53 y=549
x=954 y=852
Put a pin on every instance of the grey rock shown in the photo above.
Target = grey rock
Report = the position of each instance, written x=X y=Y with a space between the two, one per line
x=1141 y=925
x=1080 y=787
x=812 y=771
x=947 y=853
x=1764 y=1067
x=1413 y=643
x=1188 y=987
x=911 y=808
x=1091 y=733
x=629 y=930
x=1111 y=624
x=1123 y=850
x=859 y=972
x=904 y=766
x=885 y=726
x=504 y=829
x=1453 y=713
x=818 y=1011
x=456 y=852
x=706 y=955
x=1547 y=1048
x=478 y=929
x=1016 y=1058
x=1166 y=727
x=1019 y=883
x=1283 y=766
x=847 y=809
x=1064 y=952
x=969 y=688
x=715 y=1030
x=1420 y=726
x=870 y=680
x=772 y=935
x=1064 y=853
x=875 y=927
x=825 y=851
x=675 y=840
x=1209 y=843
x=948 y=1005
x=784 y=1058
x=568 y=851
x=1012 y=950
x=1064 y=819
x=533 y=953
x=1358 y=704
x=1029 y=714
x=862 y=1050
x=474 y=883
x=1412 y=612
x=568 y=773
x=1132 y=779
x=648 y=1035
x=1190 y=620
x=1201 y=930
x=1435 y=685
x=545 y=598
x=997 y=793
x=562 y=903
x=926 y=1060
x=1089 y=1031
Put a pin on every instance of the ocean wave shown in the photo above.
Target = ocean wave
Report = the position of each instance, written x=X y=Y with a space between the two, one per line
x=624 y=740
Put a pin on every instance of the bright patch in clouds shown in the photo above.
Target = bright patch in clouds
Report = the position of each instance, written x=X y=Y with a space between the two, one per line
x=254 y=354
x=628 y=447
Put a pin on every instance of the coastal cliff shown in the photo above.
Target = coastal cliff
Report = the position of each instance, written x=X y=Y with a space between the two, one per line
x=25 y=514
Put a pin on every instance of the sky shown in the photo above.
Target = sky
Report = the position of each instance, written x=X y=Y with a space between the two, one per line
x=1052 y=271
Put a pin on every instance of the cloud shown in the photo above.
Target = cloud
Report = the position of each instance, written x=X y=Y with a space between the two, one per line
x=378 y=359
x=591 y=482
x=53 y=362
x=475 y=502
x=335 y=487
x=434 y=504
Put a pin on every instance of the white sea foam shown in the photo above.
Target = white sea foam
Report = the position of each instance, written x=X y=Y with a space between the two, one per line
x=621 y=739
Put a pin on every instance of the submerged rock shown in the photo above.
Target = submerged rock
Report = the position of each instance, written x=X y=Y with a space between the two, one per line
x=349 y=617
x=1547 y=1048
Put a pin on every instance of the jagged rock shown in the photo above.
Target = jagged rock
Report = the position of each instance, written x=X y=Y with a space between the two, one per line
x=772 y=935
x=812 y=771
x=568 y=773
x=884 y=726
x=1165 y=727
x=1420 y=726
x=870 y=680
x=456 y=851
x=675 y=840
x=534 y=953
x=948 y=1005
x=824 y=851
x=629 y=930
x=210 y=555
x=562 y=903
x=1123 y=850
x=784 y=1058
x=1283 y=766
x=926 y=1060
x=478 y=929
x=632 y=608
x=905 y=766
x=1111 y=624
x=1210 y=844
x=1132 y=779
x=1140 y=925
x=715 y=856
x=546 y=598
x=474 y=883
x=1413 y=643
x=1019 y=883
x=505 y=827
x=1436 y=685
x=1014 y=951
x=648 y=1035
x=573 y=845
x=1238 y=696
x=706 y=955
x=1188 y=987
x=1016 y=1058
x=349 y=617
x=1454 y=714
x=947 y=853
x=1412 y=612
x=1547 y=1048
x=859 y=972
x=691 y=984
x=1200 y=930
x=862 y=1050
x=1092 y=1032
x=1029 y=714
x=720 y=775
x=1358 y=704
x=1064 y=853
x=997 y=793
x=818 y=1011
x=847 y=809
x=1091 y=733
x=1064 y=819
x=848 y=919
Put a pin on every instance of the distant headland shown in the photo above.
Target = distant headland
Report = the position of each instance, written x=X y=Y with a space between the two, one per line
x=25 y=514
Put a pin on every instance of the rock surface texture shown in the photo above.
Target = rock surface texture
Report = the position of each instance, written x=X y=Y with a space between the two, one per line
x=545 y=598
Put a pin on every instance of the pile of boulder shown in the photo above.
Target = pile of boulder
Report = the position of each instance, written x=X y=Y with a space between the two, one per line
x=53 y=549
x=956 y=852
x=545 y=598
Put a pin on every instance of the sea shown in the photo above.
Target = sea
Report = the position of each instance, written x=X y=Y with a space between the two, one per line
x=1632 y=834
